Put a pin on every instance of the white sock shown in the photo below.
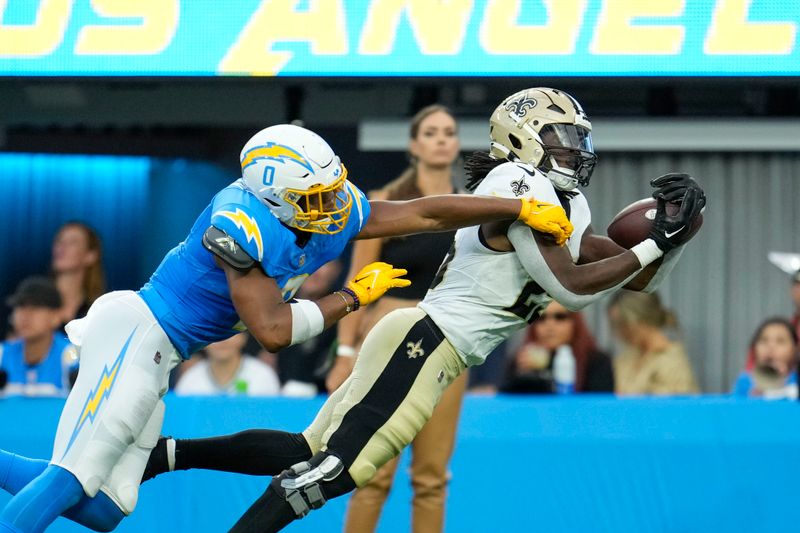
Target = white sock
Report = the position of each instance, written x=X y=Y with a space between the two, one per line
x=171 y=454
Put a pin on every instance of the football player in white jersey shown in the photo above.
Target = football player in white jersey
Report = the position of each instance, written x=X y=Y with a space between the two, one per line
x=496 y=278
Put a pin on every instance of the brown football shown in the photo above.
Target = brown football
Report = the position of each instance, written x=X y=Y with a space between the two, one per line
x=632 y=225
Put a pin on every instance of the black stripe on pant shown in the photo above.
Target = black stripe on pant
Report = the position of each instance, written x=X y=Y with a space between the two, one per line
x=388 y=391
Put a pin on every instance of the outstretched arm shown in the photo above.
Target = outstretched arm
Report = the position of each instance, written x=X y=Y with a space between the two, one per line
x=452 y=211
x=576 y=286
x=596 y=247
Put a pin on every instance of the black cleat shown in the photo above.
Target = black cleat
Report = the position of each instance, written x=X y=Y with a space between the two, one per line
x=158 y=463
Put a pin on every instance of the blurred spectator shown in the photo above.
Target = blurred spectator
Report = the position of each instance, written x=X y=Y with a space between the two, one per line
x=771 y=366
x=299 y=366
x=531 y=370
x=651 y=363
x=486 y=379
x=227 y=371
x=77 y=269
x=39 y=360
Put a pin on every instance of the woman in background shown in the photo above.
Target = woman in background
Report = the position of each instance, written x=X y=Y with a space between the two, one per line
x=434 y=148
x=77 y=268
x=652 y=363
x=771 y=367
x=531 y=370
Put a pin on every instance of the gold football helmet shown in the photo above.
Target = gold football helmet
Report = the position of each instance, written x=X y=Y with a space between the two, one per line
x=548 y=129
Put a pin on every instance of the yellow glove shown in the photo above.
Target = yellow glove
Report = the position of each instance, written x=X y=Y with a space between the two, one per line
x=375 y=279
x=547 y=218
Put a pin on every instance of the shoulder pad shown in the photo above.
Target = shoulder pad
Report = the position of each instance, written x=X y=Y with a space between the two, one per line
x=518 y=180
x=224 y=246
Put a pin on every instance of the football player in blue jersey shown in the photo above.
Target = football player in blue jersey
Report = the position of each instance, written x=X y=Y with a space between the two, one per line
x=245 y=257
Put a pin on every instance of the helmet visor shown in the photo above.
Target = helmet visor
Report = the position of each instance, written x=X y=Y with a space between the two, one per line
x=567 y=136
x=571 y=149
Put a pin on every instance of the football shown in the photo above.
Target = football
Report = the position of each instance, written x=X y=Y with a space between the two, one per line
x=632 y=225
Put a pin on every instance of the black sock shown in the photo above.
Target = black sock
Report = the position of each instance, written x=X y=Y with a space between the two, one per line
x=268 y=514
x=261 y=452
x=157 y=463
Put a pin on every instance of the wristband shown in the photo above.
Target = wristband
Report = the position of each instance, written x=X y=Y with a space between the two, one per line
x=344 y=350
x=352 y=293
x=347 y=306
x=647 y=251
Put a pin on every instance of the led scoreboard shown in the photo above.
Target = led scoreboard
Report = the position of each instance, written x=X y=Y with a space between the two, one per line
x=399 y=37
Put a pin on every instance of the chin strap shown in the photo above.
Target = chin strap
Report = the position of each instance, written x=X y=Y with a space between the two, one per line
x=562 y=181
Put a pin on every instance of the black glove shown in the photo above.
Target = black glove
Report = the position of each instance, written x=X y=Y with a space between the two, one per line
x=668 y=231
x=673 y=186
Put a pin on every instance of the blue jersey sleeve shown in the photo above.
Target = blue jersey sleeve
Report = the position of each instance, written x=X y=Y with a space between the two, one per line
x=360 y=210
x=743 y=385
x=242 y=226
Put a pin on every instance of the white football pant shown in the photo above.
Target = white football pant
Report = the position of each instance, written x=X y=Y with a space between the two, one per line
x=113 y=415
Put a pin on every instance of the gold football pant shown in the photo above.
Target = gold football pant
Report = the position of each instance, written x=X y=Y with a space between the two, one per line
x=404 y=366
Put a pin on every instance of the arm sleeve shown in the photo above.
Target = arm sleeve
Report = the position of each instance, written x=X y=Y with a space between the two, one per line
x=669 y=262
x=534 y=263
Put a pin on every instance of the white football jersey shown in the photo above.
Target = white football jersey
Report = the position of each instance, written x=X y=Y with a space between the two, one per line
x=481 y=296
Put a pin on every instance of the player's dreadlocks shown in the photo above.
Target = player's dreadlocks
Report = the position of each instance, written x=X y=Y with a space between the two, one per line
x=478 y=165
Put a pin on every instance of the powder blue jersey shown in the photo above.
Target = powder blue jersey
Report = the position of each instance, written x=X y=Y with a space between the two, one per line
x=50 y=377
x=746 y=386
x=188 y=293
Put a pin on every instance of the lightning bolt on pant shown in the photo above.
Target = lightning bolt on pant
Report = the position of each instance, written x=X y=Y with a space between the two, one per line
x=113 y=415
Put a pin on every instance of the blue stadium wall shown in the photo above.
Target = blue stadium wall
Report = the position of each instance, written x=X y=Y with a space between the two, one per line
x=521 y=464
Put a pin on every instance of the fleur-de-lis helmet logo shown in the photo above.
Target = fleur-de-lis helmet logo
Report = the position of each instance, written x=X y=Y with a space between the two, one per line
x=521 y=105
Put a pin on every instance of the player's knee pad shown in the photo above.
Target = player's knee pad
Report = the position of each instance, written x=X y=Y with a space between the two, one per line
x=308 y=485
x=123 y=483
x=126 y=425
